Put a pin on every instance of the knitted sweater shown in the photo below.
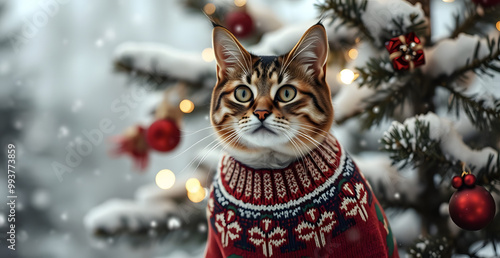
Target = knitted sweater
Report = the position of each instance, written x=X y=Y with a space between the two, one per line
x=318 y=206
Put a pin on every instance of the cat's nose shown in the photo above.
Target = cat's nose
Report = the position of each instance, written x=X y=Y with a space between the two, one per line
x=261 y=114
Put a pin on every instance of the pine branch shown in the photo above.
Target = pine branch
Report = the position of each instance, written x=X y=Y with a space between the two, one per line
x=350 y=11
x=481 y=116
x=416 y=147
x=386 y=102
x=417 y=25
x=382 y=105
x=480 y=66
x=489 y=175
x=376 y=72
x=154 y=80
x=471 y=18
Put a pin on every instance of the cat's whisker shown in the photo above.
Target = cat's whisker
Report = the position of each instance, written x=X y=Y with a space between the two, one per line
x=310 y=127
x=194 y=144
x=299 y=154
x=313 y=141
x=200 y=153
x=189 y=133
x=212 y=149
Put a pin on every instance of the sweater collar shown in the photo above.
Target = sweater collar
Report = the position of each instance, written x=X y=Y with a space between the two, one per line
x=274 y=186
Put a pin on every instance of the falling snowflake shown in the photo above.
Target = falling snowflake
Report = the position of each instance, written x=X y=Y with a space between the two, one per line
x=63 y=132
x=77 y=105
x=40 y=199
x=173 y=223
x=99 y=43
x=64 y=216
x=18 y=125
x=202 y=227
x=110 y=34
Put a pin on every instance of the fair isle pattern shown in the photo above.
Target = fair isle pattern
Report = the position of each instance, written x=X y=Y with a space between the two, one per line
x=318 y=206
x=263 y=185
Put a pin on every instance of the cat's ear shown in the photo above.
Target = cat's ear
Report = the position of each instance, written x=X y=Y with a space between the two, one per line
x=311 y=51
x=229 y=53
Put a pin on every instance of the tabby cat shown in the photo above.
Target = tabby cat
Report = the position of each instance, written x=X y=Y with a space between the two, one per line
x=286 y=188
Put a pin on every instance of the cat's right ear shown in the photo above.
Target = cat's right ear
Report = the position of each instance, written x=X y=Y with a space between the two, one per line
x=229 y=53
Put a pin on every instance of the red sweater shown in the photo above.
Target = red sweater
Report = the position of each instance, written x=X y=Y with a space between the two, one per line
x=318 y=206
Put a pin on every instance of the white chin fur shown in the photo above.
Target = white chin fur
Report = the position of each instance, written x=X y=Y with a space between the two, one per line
x=269 y=150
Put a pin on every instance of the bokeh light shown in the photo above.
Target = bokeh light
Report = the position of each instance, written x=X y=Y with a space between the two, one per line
x=209 y=9
x=165 y=179
x=240 y=3
x=208 y=55
x=193 y=185
x=197 y=196
x=347 y=76
x=353 y=53
x=186 y=106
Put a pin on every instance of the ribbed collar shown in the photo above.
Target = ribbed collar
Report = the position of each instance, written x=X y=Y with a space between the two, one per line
x=274 y=186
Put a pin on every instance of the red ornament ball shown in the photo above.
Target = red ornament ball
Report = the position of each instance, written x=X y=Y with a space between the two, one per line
x=486 y=3
x=456 y=182
x=469 y=180
x=472 y=208
x=163 y=135
x=240 y=24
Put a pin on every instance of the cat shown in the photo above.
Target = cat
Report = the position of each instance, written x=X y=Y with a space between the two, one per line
x=286 y=188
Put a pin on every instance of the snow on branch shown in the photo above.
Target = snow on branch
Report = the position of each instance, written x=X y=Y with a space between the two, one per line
x=154 y=213
x=117 y=216
x=429 y=141
x=375 y=105
x=450 y=59
x=162 y=62
x=377 y=20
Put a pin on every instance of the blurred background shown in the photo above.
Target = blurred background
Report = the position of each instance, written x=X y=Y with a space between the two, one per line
x=58 y=79
x=62 y=79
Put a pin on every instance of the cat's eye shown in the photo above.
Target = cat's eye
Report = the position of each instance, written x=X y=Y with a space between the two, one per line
x=243 y=94
x=286 y=93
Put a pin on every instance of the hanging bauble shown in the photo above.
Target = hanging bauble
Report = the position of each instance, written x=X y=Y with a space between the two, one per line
x=471 y=206
x=486 y=3
x=133 y=143
x=240 y=23
x=163 y=135
x=406 y=52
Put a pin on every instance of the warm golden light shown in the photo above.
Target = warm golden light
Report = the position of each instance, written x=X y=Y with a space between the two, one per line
x=186 y=106
x=193 y=185
x=197 y=196
x=208 y=55
x=240 y=3
x=498 y=25
x=353 y=53
x=209 y=9
x=165 y=179
x=347 y=76
x=448 y=1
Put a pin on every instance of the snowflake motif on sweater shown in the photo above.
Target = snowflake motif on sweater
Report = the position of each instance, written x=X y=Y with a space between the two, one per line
x=318 y=206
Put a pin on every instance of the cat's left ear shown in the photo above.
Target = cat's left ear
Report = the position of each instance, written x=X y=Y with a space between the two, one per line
x=311 y=51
